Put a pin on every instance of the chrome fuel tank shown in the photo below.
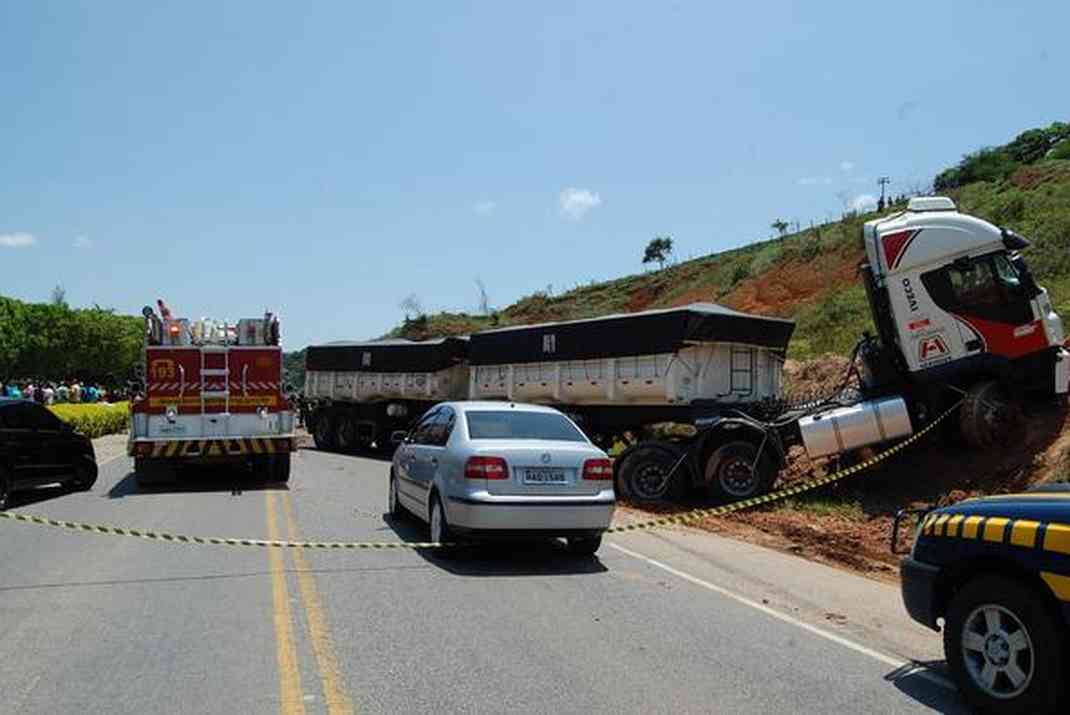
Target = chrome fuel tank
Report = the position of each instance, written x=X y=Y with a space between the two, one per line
x=845 y=428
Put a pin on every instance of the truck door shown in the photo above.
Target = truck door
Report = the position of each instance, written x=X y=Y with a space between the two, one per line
x=987 y=299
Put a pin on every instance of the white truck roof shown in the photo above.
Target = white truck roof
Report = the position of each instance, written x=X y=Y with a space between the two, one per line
x=931 y=230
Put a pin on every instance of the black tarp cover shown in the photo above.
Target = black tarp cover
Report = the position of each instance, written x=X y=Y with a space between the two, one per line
x=387 y=356
x=646 y=333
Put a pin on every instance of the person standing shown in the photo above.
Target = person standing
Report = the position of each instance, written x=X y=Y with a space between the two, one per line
x=62 y=393
x=49 y=394
x=76 y=392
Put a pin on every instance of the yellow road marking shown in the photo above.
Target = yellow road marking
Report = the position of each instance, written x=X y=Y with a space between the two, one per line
x=338 y=702
x=290 y=693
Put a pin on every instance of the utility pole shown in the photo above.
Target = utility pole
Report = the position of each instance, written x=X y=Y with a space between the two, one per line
x=883 y=181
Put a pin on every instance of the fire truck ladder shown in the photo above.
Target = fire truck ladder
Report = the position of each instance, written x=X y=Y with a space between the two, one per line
x=206 y=394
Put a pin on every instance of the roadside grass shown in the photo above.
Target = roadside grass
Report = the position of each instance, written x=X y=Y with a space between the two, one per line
x=95 y=420
x=822 y=505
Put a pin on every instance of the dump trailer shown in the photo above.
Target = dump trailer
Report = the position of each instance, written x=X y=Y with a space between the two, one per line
x=212 y=394
x=360 y=392
x=958 y=316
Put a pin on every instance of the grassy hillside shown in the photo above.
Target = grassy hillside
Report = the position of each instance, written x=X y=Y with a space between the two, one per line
x=811 y=275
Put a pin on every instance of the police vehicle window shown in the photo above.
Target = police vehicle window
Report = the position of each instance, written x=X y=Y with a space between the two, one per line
x=513 y=424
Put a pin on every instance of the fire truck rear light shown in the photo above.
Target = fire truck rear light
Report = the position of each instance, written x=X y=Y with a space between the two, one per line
x=599 y=469
x=486 y=468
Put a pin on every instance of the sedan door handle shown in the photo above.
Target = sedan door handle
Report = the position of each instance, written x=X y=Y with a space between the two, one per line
x=434 y=461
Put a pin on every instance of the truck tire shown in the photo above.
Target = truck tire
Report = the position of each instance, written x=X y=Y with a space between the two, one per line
x=1005 y=648
x=323 y=431
x=987 y=416
x=646 y=472
x=734 y=471
x=279 y=468
x=345 y=433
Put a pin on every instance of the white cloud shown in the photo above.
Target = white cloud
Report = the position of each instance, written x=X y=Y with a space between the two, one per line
x=847 y=165
x=484 y=208
x=17 y=240
x=864 y=202
x=83 y=242
x=814 y=180
x=575 y=203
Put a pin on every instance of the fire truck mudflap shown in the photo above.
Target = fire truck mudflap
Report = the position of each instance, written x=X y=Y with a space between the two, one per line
x=212 y=395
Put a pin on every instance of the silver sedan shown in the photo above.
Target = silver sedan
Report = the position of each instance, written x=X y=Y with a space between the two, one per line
x=477 y=469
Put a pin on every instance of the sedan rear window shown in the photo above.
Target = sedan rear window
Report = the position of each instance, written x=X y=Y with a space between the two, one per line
x=511 y=424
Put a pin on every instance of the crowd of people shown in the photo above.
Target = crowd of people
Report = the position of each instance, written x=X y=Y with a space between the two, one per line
x=50 y=393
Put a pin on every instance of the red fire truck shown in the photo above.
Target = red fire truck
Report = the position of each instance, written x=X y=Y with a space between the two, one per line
x=212 y=395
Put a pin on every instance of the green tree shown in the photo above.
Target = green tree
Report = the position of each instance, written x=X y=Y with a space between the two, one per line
x=658 y=250
x=780 y=226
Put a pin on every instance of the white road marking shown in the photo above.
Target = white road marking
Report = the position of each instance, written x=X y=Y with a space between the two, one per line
x=888 y=660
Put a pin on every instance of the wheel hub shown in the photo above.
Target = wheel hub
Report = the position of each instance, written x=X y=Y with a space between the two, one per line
x=737 y=477
x=997 y=650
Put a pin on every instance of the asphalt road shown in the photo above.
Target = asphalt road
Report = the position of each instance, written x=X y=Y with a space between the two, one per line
x=657 y=622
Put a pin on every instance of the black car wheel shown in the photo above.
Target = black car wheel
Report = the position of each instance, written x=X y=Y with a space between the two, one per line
x=5 y=489
x=85 y=476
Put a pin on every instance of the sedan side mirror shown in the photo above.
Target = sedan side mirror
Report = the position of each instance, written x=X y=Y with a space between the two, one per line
x=398 y=436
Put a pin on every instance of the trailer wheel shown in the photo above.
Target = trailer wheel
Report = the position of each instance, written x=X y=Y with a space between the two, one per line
x=323 y=431
x=988 y=416
x=345 y=432
x=646 y=472
x=735 y=471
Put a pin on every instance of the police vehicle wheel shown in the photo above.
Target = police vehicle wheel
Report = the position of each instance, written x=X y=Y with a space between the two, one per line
x=1005 y=647
x=646 y=472
x=734 y=471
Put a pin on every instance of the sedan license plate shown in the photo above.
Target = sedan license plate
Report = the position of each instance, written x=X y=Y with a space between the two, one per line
x=545 y=476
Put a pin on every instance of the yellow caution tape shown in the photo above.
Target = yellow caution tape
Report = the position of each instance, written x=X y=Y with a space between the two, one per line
x=675 y=519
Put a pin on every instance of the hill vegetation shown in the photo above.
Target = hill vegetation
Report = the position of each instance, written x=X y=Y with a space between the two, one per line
x=810 y=275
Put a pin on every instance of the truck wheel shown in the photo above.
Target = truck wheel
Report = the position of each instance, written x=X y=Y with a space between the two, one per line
x=345 y=432
x=323 y=431
x=987 y=416
x=646 y=472
x=1004 y=647
x=280 y=468
x=734 y=471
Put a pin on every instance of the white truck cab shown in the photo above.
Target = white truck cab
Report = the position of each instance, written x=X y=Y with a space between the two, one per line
x=953 y=294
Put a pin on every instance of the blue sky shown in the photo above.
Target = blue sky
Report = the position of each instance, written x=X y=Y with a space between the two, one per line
x=327 y=159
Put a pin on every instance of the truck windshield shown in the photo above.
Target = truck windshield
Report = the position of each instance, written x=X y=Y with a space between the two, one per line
x=511 y=424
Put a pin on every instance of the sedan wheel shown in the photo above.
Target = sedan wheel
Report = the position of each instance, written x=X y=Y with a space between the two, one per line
x=440 y=530
x=394 y=504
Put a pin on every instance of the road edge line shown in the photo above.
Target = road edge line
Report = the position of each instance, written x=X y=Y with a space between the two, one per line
x=891 y=661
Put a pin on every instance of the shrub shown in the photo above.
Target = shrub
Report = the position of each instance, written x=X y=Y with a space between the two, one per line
x=95 y=420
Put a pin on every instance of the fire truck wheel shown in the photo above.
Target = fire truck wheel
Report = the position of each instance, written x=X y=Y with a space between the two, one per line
x=150 y=472
x=280 y=468
x=987 y=416
x=735 y=472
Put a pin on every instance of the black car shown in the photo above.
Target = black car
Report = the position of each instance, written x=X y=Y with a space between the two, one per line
x=38 y=448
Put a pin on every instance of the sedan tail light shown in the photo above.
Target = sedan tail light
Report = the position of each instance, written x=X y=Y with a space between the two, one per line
x=598 y=469
x=486 y=468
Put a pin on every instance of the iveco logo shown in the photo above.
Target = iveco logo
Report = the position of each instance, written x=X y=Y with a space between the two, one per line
x=911 y=298
x=545 y=457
